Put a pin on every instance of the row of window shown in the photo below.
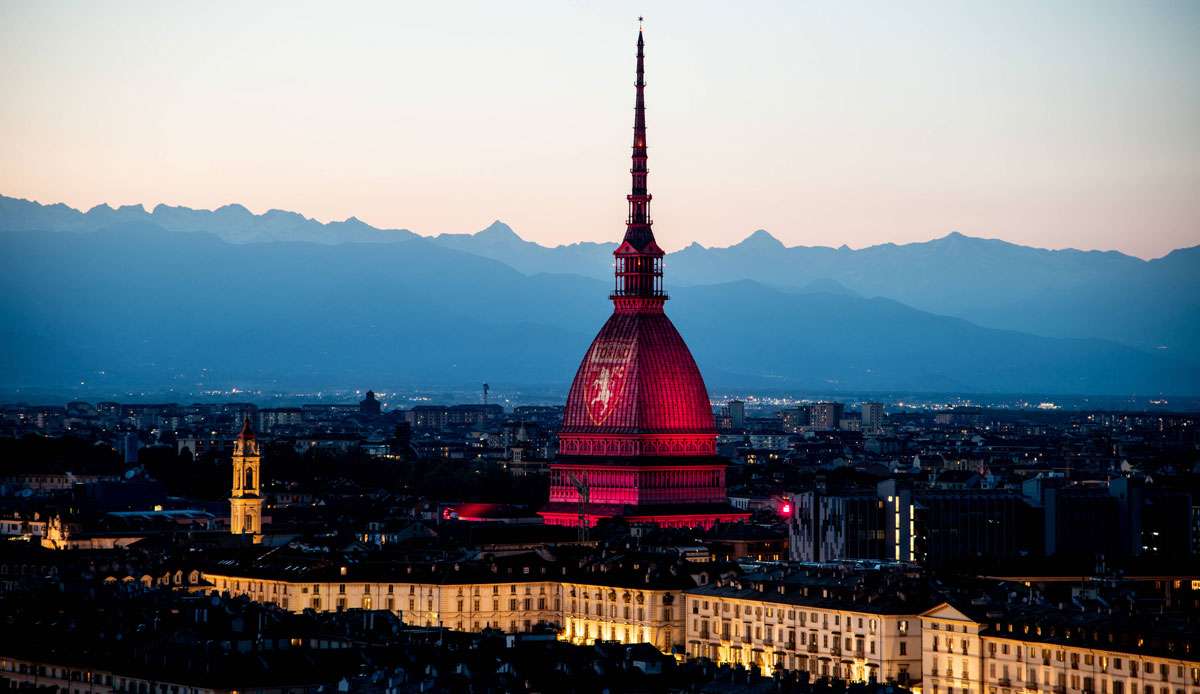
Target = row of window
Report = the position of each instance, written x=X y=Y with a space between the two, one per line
x=870 y=625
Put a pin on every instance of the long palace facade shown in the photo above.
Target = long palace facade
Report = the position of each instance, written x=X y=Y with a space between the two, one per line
x=768 y=624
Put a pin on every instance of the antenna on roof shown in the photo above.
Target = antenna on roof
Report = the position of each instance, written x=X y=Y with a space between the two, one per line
x=584 y=491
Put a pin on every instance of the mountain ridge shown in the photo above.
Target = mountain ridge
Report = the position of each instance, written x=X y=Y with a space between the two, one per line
x=131 y=304
x=1150 y=304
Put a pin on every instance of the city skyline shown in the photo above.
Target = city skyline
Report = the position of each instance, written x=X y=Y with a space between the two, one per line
x=261 y=453
x=1070 y=126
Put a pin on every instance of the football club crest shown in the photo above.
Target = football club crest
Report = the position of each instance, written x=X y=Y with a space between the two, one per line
x=607 y=367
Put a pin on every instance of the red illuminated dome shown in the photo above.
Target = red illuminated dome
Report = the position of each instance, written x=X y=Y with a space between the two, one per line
x=638 y=439
x=638 y=392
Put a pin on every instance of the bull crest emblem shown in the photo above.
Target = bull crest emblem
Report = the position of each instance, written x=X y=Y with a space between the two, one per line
x=607 y=369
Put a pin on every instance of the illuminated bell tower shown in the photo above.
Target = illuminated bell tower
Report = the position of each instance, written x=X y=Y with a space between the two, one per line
x=246 y=501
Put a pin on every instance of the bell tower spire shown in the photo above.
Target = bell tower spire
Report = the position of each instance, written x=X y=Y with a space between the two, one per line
x=638 y=258
x=246 y=499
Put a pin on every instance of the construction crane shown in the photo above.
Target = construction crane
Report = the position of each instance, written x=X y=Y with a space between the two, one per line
x=584 y=491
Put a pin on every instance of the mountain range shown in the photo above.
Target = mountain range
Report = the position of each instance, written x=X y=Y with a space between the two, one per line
x=118 y=297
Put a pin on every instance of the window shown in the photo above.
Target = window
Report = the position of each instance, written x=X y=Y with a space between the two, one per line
x=903 y=647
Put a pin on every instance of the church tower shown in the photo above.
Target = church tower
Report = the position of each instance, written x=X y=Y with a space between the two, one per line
x=246 y=501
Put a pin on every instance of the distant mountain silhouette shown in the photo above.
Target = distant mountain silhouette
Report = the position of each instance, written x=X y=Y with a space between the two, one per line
x=1152 y=305
x=500 y=242
x=232 y=223
x=1068 y=293
x=136 y=306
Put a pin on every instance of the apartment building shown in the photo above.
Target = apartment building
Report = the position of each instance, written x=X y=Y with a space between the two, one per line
x=817 y=626
x=993 y=652
x=629 y=601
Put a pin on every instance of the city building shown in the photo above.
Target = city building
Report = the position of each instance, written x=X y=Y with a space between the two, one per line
x=737 y=413
x=872 y=416
x=369 y=405
x=974 y=648
x=826 y=416
x=638 y=439
x=894 y=522
x=246 y=499
x=827 y=625
x=628 y=601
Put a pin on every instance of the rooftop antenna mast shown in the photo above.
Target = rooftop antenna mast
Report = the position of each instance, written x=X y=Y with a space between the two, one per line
x=584 y=491
x=486 y=388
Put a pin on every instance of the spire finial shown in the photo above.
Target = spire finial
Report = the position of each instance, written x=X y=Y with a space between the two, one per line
x=639 y=259
x=247 y=430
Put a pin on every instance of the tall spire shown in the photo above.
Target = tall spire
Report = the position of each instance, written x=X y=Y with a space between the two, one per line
x=639 y=198
x=638 y=258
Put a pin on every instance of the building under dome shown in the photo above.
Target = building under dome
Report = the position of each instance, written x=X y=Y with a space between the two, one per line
x=638 y=439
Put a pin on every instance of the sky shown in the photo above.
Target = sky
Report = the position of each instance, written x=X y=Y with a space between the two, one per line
x=1053 y=124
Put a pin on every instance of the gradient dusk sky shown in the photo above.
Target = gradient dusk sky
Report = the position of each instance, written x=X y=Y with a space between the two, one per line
x=1052 y=124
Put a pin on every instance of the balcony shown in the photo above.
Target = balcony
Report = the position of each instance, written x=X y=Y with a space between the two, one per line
x=812 y=648
x=1004 y=682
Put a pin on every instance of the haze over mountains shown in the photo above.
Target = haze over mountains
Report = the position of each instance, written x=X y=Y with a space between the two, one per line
x=121 y=297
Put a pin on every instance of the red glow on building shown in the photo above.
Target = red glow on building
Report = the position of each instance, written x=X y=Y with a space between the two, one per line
x=638 y=428
x=785 y=509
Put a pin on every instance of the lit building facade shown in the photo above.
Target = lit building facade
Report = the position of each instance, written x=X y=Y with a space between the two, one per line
x=463 y=601
x=602 y=605
x=638 y=439
x=246 y=500
x=628 y=615
x=965 y=655
x=760 y=625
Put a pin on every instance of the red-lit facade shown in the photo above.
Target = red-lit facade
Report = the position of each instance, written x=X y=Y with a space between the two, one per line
x=638 y=428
